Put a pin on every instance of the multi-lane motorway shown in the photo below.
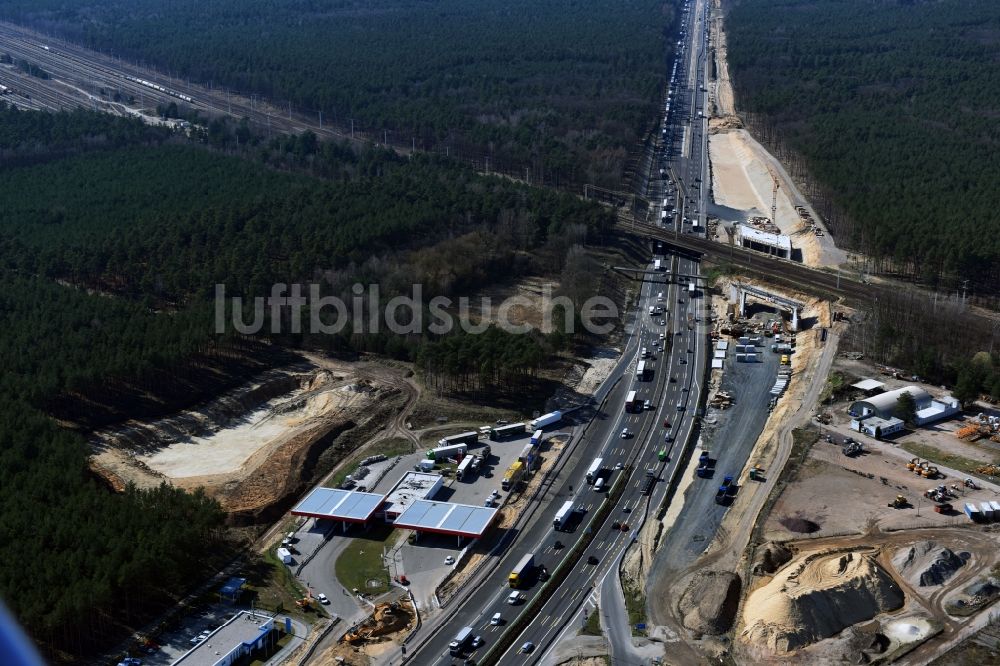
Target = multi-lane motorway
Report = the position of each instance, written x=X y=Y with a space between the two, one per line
x=665 y=325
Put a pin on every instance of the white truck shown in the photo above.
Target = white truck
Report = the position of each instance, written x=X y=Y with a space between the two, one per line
x=546 y=420
x=563 y=515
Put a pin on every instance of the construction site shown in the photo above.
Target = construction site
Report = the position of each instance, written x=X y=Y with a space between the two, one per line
x=255 y=446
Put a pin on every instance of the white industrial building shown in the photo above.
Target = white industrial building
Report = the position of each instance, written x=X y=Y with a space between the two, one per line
x=884 y=406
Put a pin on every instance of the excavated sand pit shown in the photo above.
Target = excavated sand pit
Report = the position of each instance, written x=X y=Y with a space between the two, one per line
x=247 y=448
x=817 y=596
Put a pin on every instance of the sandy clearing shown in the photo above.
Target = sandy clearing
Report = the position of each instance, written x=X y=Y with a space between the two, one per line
x=226 y=450
x=743 y=178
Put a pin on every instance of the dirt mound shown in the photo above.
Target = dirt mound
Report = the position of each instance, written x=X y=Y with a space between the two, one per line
x=709 y=603
x=771 y=557
x=817 y=596
x=799 y=523
x=926 y=563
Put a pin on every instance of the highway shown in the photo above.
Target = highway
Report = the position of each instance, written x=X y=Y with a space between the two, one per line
x=661 y=432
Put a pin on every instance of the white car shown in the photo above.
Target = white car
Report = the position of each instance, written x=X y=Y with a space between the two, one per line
x=496 y=619
x=618 y=465
x=322 y=599
x=449 y=560
x=625 y=433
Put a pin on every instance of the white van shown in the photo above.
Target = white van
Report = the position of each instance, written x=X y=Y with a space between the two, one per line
x=599 y=486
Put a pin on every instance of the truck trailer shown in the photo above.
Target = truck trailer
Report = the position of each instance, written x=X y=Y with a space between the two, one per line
x=445 y=452
x=563 y=515
x=461 y=639
x=503 y=432
x=513 y=476
x=546 y=420
x=465 y=468
x=536 y=439
x=467 y=438
x=519 y=575
x=594 y=469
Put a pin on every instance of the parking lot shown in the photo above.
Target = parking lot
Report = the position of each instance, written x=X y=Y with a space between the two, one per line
x=427 y=561
x=175 y=642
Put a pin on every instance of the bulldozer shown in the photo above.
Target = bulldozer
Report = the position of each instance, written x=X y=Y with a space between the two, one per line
x=899 y=503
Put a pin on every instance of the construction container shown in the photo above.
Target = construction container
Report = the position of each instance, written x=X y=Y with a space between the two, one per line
x=741 y=358
x=986 y=510
x=744 y=340
x=972 y=512
x=996 y=509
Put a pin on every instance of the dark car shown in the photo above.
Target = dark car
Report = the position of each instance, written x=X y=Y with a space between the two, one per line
x=592 y=560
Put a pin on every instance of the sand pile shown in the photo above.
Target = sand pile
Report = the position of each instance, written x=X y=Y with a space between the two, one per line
x=770 y=557
x=817 y=596
x=709 y=603
x=926 y=563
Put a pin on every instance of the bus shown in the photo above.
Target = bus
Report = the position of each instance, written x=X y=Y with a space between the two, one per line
x=563 y=515
x=519 y=575
x=632 y=403
x=662 y=455
x=595 y=469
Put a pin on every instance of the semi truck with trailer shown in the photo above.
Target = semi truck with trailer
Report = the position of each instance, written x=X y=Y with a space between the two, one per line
x=594 y=469
x=520 y=573
x=465 y=467
x=513 y=476
x=467 y=438
x=546 y=420
x=445 y=452
x=503 y=432
x=563 y=515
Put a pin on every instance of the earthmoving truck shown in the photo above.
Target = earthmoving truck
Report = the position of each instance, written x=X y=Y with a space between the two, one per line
x=519 y=574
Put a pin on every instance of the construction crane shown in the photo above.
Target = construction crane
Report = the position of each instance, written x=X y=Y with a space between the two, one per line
x=774 y=200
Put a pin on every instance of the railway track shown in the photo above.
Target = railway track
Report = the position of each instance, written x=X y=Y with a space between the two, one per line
x=776 y=270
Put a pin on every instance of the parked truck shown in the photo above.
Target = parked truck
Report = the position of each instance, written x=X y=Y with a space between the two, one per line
x=503 y=432
x=467 y=438
x=536 y=439
x=465 y=468
x=445 y=452
x=513 y=476
x=546 y=420
x=520 y=573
